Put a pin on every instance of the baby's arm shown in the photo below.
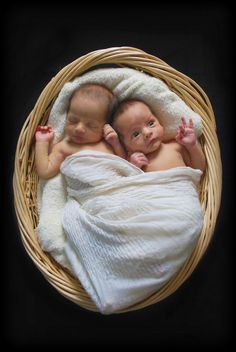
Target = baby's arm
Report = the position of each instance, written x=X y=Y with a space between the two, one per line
x=112 y=138
x=47 y=164
x=187 y=137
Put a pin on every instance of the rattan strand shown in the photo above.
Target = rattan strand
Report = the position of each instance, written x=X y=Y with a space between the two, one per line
x=25 y=179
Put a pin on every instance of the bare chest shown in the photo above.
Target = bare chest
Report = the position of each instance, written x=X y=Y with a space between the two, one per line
x=101 y=146
x=167 y=157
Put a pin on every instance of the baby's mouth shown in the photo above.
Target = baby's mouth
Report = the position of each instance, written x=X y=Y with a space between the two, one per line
x=79 y=138
x=152 y=141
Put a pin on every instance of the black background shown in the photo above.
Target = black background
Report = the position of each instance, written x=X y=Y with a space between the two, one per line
x=39 y=40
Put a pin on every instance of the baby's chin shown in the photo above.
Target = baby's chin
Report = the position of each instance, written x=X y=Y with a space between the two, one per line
x=151 y=148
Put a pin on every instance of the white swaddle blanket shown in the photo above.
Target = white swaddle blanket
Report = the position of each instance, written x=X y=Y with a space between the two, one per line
x=128 y=232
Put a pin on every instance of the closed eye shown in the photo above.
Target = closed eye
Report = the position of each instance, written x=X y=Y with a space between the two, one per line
x=72 y=119
x=92 y=125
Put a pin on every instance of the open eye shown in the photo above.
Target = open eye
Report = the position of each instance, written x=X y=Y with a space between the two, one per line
x=151 y=123
x=135 y=134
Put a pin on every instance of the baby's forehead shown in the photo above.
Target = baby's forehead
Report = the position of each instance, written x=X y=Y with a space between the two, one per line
x=138 y=118
x=81 y=98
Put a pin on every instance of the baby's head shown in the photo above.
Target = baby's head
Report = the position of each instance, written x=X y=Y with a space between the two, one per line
x=90 y=106
x=137 y=127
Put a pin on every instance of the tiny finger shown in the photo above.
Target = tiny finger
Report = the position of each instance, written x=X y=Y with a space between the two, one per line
x=191 y=125
x=183 y=121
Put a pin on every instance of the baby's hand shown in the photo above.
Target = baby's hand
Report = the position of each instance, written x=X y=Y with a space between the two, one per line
x=186 y=134
x=44 y=134
x=138 y=159
x=110 y=134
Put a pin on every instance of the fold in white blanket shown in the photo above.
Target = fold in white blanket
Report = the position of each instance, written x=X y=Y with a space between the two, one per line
x=128 y=232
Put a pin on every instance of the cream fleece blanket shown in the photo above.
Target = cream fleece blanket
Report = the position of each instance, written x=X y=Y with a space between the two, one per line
x=128 y=231
x=129 y=83
x=125 y=82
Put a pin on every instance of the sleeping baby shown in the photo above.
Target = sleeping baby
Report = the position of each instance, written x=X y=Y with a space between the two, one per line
x=89 y=108
x=141 y=135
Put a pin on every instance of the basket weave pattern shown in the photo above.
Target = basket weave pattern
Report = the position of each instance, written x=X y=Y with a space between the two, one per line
x=25 y=179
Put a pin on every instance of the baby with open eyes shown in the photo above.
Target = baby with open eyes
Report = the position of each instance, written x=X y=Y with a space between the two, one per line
x=141 y=136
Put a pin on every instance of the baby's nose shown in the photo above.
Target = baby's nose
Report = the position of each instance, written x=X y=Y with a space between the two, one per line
x=80 y=127
x=147 y=133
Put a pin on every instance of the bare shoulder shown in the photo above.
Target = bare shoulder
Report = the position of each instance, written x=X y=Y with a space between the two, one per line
x=58 y=147
x=68 y=148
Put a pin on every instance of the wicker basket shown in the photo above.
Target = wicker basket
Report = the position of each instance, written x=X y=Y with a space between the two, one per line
x=25 y=179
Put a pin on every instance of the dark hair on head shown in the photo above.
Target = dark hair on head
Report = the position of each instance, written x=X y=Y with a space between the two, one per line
x=123 y=106
x=98 y=92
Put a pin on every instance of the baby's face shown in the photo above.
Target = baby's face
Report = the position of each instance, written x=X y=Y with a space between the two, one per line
x=85 y=120
x=139 y=128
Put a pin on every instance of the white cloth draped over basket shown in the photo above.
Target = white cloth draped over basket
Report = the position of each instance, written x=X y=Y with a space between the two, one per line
x=128 y=232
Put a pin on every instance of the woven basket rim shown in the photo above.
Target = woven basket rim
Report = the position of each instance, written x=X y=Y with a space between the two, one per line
x=25 y=179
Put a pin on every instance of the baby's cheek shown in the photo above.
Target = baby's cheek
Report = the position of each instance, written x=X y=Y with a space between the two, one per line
x=97 y=134
x=140 y=142
x=132 y=146
x=68 y=129
x=137 y=147
x=160 y=132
